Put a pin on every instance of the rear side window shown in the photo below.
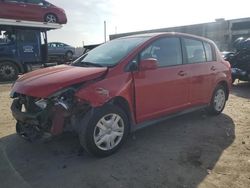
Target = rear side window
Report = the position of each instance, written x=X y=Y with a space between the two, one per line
x=194 y=51
x=37 y=2
x=14 y=1
x=167 y=51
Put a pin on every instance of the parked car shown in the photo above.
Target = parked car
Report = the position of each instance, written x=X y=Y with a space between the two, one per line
x=120 y=86
x=240 y=59
x=32 y=10
x=60 y=49
x=240 y=64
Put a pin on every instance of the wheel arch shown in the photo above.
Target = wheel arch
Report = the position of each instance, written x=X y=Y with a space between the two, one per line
x=226 y=86
x=69 y=51
x=19 y=66
x=124 y=105
x=44 y=17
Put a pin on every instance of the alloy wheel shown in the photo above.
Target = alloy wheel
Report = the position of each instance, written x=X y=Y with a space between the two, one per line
x=50 y=18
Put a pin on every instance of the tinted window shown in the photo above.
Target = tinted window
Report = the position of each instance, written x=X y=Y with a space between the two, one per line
x=194 y=50
x=60 y=45
x=37 y=2
x=14 y=1
x=167 y=51
x=209 y=52
x=7 y=37
x=27 y=36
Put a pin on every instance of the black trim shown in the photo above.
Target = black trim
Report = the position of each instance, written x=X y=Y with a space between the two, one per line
x=23 y=116
x=136 y=127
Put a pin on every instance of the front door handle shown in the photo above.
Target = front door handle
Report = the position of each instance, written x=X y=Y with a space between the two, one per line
x=213 y=68
x=182 y=73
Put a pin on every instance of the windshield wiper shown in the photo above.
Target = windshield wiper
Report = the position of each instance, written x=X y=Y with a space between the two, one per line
x=92 y=64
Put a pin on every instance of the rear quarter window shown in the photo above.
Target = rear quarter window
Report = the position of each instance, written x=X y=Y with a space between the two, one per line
x=210 y=55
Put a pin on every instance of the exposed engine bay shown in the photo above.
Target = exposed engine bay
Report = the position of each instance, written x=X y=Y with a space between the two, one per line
x=53 y=115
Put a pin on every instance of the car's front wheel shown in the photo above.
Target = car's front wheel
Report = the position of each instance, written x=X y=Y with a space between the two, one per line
x=50 y=18
x=105 y=131
x=218 y=100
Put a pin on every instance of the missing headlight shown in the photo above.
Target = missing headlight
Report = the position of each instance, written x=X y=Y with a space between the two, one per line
x=41 y=103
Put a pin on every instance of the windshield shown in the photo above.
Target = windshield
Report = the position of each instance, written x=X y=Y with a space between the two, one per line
x=110 y=53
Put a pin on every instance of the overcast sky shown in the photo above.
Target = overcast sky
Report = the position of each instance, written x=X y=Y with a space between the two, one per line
x=86 y=17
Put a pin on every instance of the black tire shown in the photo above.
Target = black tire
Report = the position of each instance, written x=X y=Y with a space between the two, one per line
x=233 y=80
x=50 y=18
x=89 y=127
x=8 y=71
x=215 y=108
x=69 y=55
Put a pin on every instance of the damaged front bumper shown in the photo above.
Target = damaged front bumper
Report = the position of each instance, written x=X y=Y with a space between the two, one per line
x=30 y=125
x=37 y=117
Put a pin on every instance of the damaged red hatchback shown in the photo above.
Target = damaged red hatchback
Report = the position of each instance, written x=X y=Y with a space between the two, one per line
x=120 y=86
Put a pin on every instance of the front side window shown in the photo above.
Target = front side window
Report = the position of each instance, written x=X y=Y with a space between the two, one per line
x=110 y=53
x=53 y=45
x=167 y=51
x=194 y=50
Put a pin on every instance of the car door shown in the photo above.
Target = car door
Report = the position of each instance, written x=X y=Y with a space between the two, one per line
x=29 y=46
x=60 y=49
x=165 y=89
x=51 y=48
x=13 y=9
x=35 y=10
x=201 y=64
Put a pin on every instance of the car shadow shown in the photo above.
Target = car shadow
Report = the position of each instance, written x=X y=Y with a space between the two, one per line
x=179 y=152
x=241 y=89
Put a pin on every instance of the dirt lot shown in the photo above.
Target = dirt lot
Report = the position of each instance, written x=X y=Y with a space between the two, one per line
x=193 y=150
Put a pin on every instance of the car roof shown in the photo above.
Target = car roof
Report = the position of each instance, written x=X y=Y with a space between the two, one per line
x=153 y=35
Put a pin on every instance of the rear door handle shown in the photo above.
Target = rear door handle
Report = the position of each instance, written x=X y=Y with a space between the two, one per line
x=182 y=73
x=213 y=68
x=23 y=5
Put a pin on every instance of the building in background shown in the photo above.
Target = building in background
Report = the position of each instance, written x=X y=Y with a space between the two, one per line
x=222 y=32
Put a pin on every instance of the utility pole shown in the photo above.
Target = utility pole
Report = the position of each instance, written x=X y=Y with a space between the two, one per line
x=104 y=31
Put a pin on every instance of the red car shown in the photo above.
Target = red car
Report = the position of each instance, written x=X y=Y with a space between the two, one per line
x=32 y=10
x=120 y=86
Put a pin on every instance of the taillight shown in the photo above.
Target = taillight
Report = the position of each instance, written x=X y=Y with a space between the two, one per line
x=227 y=64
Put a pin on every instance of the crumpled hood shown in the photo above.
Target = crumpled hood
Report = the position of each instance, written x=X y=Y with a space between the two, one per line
x=44 y=82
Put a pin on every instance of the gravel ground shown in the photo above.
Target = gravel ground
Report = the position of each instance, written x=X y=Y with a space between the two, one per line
x=194 y=150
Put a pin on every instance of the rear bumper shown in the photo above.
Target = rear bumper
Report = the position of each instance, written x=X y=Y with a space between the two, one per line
x=62 y=18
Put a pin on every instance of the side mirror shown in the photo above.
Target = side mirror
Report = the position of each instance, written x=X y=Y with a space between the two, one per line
x=148 y=64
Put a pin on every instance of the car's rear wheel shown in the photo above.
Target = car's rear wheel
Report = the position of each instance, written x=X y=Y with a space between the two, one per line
x=50 y=18
x=8 y=71
x=218 y=100
x=69 y=55
x=105 y=131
